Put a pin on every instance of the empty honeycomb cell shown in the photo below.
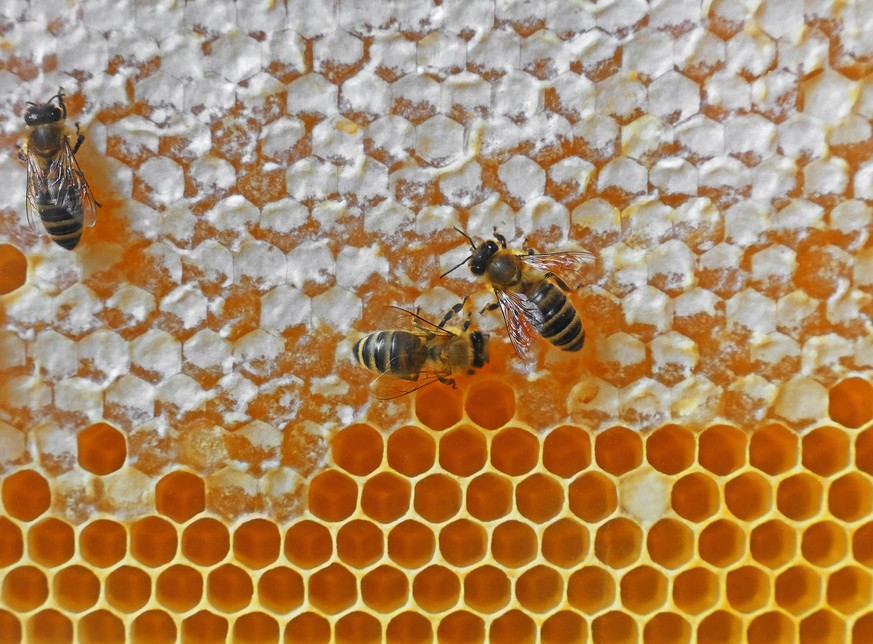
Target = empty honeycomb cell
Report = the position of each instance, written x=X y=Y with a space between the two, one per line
x=438 y=408
x=670 y=543
x=799 y=497
x=153 y=541
x=76 y=588
x=823 y=626
x=614 y=626
x=255 y=627
x=411 y=544
x=11 y=543
x=24 y=588
x=514 y=451
x=332 y=589
x=461 y=627
x=851 y=402
x=824 y=544
x=204 y=626
x=490 y=404
x=564 y=627
x=436 y=589
x=513 y=626
x=748 y=496
x=102 y=449
x=747 y=589
x=153 y=626
x=850 y=497
x=825 y=450
x=463 y=451
x=670 y=449
x=463 y=542
x=308 y=627
x=592 y=497
x=850 y=590
x=618 y=543
x=798 y=589
x=332 y=496
x=591 y=589
x=205 y=542
x=565 y=543
x=357 y=449
x=49 y=626
x=722 y=449
x=721 y=543
x=128 y=589
x=179 y=588
x=180 y=496
x=667 y=627
x=256 y=543
x=720 y=626
x=643 y=590
x=489 y=496
x=359 y=543
x=773 y=626
x=696 y=590
x=539 y=497
x=358 y=628
x=513 y=544
x=26 y=495
x=385 y=497
x=695 y=497
x=100 y=626
x=13 y=268
x=864 y=451
x=539 y=589
x=409 y=627
x=411 y=451
x=280 y=589
x=486 y=589
x=384 y=589
x=229 y=588
x=51 y=542
x=618 y=450
x=566 y=451
x=773 y=543
x=103 y=543
x=437 y=498
x=773 y=449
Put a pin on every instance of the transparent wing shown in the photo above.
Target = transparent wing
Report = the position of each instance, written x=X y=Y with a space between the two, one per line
x=36 y=185
x=72 y=190
x=568 y=266
x=399 y=318
x=523 y=321
x=388 y=386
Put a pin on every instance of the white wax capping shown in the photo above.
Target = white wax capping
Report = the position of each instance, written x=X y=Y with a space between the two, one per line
x=674 y=176
x=439 y=140
x=212 y=174
x=695 y=302
x=79 y=395
x=517 y=95
x=186 y=303
x=643 y=136
x=311 y=178
x=624 y=174
x=485 y=216
x=156 y=351
x=283 y=216
x=312 y=93
x=826 y=176
x=801 y=400
x=312 y=19
x=462 y=186
x=388 y=218
x=750 y=134
x=11 y=443
x=645 y=495
x=752 y=311
x=106 y=351
x=55 y=354
x=774 y=262
x=260 y=264
x=542 y=214
x=181 y=391
x=750 y=53
x=674 y=348
x=774 y=178
x=442 y=52
x=673 y=262
x=650 y=52
x=354 y=266
x=597 y=215
x=674 y=96
x=648 y=305
x=365 y=92
x=336 y=308
x=164 y=179
x=802 y=135
x=645 y=401
x=701 y=136
x=621 y=95
x=214 y=260
x=284 y=307
x=621 y=348
x=338 y=140
x=310 y=262
x=522 y=178
x=261 y=435
x=725 y=173
x=829 y=96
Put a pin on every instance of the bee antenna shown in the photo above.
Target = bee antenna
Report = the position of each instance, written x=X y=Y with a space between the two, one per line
x=469 y=257
x=467 y=237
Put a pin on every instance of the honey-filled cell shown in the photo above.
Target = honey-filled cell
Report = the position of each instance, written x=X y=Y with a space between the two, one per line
x=618 y=450
x=823 y=626
x=539 y=589
x=436 y=589
x=670 y=543
x=76 y=588
x=204 y=626
x=850 y=497
x=720 y=627
x=670 y=449
x=667 y=627
x=721 y=543
x=513 y=544
x=614 y=626
x=26 y=495
x=514 y=451
x=591 y=589
x=49 y=626
x=695 y=497
x=11 y=543
x=514 y=626
x=229 y=588
x=461 y=627
x=722 y=449
x=773 y=449
x=153 y=626
x=332 y=496
x=25 y=588
x=862 y=630
x=824 y=543
x=411 y=544
x=864 y=451
x=255 y=627
x=486 y=589
x=566 y=451
x=798 y=589
x=799 y=497
x=747 y=589
x=438 y=408
x=409 y=628
x=850 y=590
x=358 y=627
x=643 y=590
x=411 y=451
x=696 y=590
x=153 y=541
x=179 y=588
x=773 y=543
x=103 y=543
x=565 y=543
x=280 y=589
x=539 y=497
x=437 y=498
x=256 y=543
x=13 y=268
x=180 y=496
x=205 y=542
x=463 y=451
x=51 y=542
x=748 y=496
x=463 y=542
x=851 y=402
x=100 y=626
x=306 y=628
x=332 y=589
x=308 y=544
x=489 y=496
x=618 y=543
x=10 y=626
x=490 y=404
x=357 y=449
x=359 y=543
x=384 y=589
x=773 y=626
x=592 y=497
x=102 y=449
x=825 y=450
x=564 y=627
x=127 y=589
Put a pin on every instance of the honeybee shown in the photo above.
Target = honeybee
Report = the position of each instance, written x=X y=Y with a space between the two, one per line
x=57 y=191
x=529 y=300
x=407 y=360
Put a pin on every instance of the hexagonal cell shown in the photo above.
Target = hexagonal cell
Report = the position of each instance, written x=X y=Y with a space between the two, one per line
x=204 y=626
x=385 y=497
x=748 y=496
x=332 y=496
x=823 y=626
x=565 y=543
x=513 y=625
x=539 y=589
x=409 y=627
x=308 y=544
x=773 y=449
x=461 y=626
x=696 y=590
x=825 y=450
x=539 y=497
x=280 y=589
x=489 y=496
x=850 y=589
x=127 y=588
x=463 y=543
x=463 y=451
x=850 y=497
x=824 y=544
x=592 y=497
x=309 y=627
x=643 y=590
x=100 y=624
x=357 y=449
x=332 y=589
x=51 y=542
x=670 y=543
x=851 y=402
x=666 y=626
x=799 y=496
x=436 y=589
x=49 y=625
x=670 y=449
x=566 y=451
x=205 y=542
x=563 y=627
x=721 y=543
x=720 y=626
x=411 y=544
x=411 y=451
x=722 y=449
x=179 y=588
x=747 y=589
x=514 y=451
x=11 y=543
x=618 y=450
x=180 y=496
x=256 y=543
x=591 y=589
x=358 y=626
x=437 y=498
x=76 y=588
x=486 y=589
x=384 y=589
x=614 y=626
x=695 y=497
x=513 y=544
x=618 y=543
x=153 y=541
x=359 y=543
x=798 y=589
x=24 y=588
x=26 y=495
x=101 y=449
x=153 y=626
x=13 y=268
x=229 y=588
x=439 y=140
x=864 y=451
x=490 y=404
x=256 y=627
x=773 y=544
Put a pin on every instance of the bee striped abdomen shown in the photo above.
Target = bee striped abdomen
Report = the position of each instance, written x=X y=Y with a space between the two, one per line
x=560 y=323
x=398 y=353
x=60 y=226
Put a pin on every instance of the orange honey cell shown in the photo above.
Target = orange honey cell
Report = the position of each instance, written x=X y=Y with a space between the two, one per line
x=26 y=495
x=153 y=626
x=13 y=268
x=489 y=496
x=850 y=497
x=25 y=588
x=51 y=542
x=747 y=589
x=255 y=627
x=179 y=588
x=798 y=589
x=539 y=497
x=850 y=589
x=411 y=544
x=514 y=451
x=618 y=450
x=773 y=543
x=409 y=627
x=720 y=626
x=411 y=451
x=667 y=627
x=180 y=496
x=359 y=543
x=823 y=626
x=513 y=626
x=384 y=589
x=824 y=544
x=205 y=542
x=100 y=626
x=721 y=543
x=539 y=589
x=773 y=626
x=280 y=589
x=76 y=588
x=463 y=451
x=799 y=497
x=564 y=627
x=358 y=626
x=695 y=497
x=614 y=626
x=825 y=450
x=565 y=543
x=670 y=543
x=437 y=498
x=308 y=627
x=773 y=449
x=851 y=402
x=461 y=627
x=513 y=543
x=618 y=542
x=436 y=589
x=229 y=588
x=864 y=451
x=204 y=626
x=332 y=589
x=566 y=451
x=385 y=497
x=862 y=544
x=591 y=589
x=438 y=408
x=256 y=543
x=102 y=449
x=643 y=590
x=153 y=541
x=127 y=588
x=486 y=589
x=463 y=542
x=10 y=626
x=748 y=496
x=490 y=404
x=722 y=449
x=670 y=449
x=592 y=497
x=332 y=496
x=308 y=544
x=696 y=590
x=11 y=543
x=103 y=543
x=357 y=449
x=49 y=625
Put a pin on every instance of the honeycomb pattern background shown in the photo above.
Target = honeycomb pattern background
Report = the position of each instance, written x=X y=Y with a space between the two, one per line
x=187 y=452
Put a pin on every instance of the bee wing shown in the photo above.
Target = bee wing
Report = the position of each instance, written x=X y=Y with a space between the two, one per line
x=388 y=386
x=568 y=266
x=36 y=184
x=402 y=319
x=73 y=190
x=523 y=321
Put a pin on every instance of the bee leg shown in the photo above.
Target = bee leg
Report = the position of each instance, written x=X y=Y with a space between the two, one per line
x=60 y=97
x=489 y=307
x=500 y=237
x=79 y=139
x=448 y=381
x=452 y=311
x=21 y=153
x=561 y=283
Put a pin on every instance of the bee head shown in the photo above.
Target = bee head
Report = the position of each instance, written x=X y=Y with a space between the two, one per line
x=480 y=257
x=42 y=113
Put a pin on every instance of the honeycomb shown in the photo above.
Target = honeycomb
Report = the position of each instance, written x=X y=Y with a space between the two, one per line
x=187 y=450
